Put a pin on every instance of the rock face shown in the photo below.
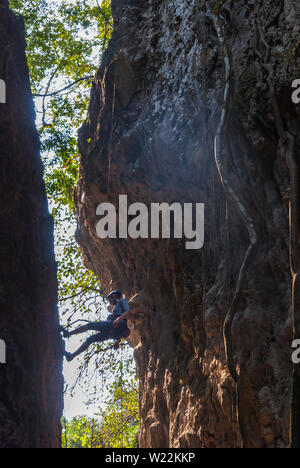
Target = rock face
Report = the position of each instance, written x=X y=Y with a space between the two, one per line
x=31 y=380
x=154 y=114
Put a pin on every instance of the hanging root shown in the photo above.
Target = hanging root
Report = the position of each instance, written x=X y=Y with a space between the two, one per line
x=295 y=401
x=289 y=141
x=294 y=204
x=247 y=220
x=295 y=271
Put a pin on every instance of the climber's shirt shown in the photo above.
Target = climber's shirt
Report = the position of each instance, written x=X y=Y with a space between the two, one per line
x=119 y=310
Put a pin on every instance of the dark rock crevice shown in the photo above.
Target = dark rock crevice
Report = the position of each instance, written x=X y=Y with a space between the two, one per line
x=31 y=381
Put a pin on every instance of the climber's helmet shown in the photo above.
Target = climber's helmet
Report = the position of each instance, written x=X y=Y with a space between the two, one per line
x=114 y=297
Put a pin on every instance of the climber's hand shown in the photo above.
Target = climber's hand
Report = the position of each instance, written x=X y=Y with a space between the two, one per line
x=117 y=322
x=117 y=345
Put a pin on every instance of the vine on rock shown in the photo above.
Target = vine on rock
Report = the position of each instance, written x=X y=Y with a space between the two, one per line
x=233 y=195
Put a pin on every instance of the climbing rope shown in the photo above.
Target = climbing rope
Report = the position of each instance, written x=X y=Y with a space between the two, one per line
x=122 y=430
x=94 y=403
x=111 y=136
x=65 y=423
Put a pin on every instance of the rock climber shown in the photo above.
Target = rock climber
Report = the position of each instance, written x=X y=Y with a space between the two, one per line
x=114 y=328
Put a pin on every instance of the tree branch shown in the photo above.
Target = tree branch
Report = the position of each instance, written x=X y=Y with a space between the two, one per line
x=90 y=77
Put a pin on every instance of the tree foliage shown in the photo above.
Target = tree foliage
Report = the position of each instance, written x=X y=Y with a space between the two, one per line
x=120 y=418
x=64 y=44
x=115 y=423
x=81 y=432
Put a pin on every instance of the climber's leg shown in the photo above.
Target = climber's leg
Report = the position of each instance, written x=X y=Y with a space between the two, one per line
x=95 y=326
x=98 y=338
x=67 y=334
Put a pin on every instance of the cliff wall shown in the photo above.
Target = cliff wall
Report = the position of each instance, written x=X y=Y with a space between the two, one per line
x=154 y=115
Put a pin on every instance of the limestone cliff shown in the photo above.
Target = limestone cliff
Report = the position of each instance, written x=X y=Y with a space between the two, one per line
x=31 y=380
x=154 y=116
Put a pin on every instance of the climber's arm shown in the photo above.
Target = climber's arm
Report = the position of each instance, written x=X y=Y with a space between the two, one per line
x=122 y=317
x=125 y=314
x=128 y=314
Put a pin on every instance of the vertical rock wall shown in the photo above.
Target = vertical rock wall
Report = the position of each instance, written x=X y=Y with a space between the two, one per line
x=31 y=380
x=155 y=109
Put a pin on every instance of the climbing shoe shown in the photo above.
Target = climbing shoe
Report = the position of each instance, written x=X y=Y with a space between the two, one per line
x=64 y=332
x=68 y=356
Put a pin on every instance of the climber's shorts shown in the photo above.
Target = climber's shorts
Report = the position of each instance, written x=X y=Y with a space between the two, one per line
x=107 y=331
x=121 y=331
